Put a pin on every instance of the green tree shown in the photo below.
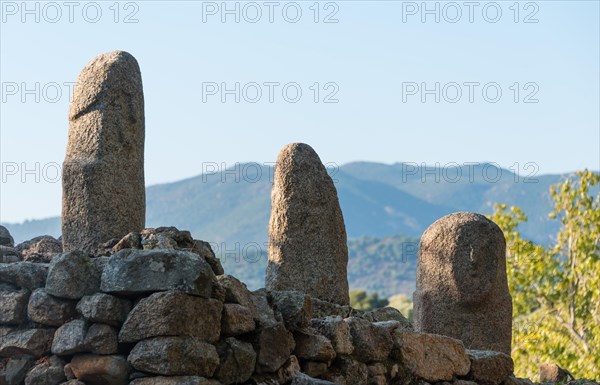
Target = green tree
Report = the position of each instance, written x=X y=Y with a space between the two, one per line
x=556 y=289
x=402 y=303
x=361 y=301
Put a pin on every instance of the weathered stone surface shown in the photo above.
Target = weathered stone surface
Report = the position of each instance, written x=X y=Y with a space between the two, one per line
x=235 y=290
x=40 y=249
x=307 y=236
x=13 y=304
x=461 y=382
x=314 y=368
x=371 y=342
x=79 y=336
x=70 y=338
x=73 y=275
x=462 y=290
x=236 y=320
x=352 y=371
x=514 y=381
x=100 y=370
x=203 y=249
x=13 y=370
x=324 y=309
x=388 y=314
x=174 y=356
x=284 y=374
x=133 y=272
x=48 y=371
x=174 y=380
x=101 y=339
x=433 y=357
x=273 y=346
x=295 y=308
x=553 y=373
x=304 y=379
x=34 y=342
x=173 y=313
x=73 y=382
x=24 y=274
x=263 y=312
x=104 y=308
x=5 y=238
x=46 y=309
x=9 y=255
x=132 y=240
x=166 y=238
x=313 y=347
x=489 y=367
x=103 y=172
x=337 y=331
x=237 y=361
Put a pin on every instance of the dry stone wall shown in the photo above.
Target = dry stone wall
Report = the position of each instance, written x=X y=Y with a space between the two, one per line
x=156 y=308
x=114 y=304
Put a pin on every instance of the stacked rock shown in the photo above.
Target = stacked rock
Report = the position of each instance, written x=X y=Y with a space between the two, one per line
x=157 y=309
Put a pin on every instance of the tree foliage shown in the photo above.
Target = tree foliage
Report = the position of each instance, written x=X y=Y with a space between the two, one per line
x=402 y=303
x=556 y=288
x=360 y=300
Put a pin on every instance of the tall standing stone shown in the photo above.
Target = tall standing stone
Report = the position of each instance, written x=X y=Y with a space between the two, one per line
x=103 y=172
x=307 y=236
x=462 y=290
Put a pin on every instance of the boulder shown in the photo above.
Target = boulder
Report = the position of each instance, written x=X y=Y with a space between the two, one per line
x=295 y=308
x=46 y=309
x=24 y=274
x=237 y=361
x=314 y=347
x=173 y=313
x=100 y=370
x=274 y=345
x=236 y=320
x=73 y=275
x=40 y=249
x=137 y=272
x=371 y=342
x=337 y=331
x=33 y=342
x=491 y=368
x=175 y=356
x=104 y=308
x=48 y=371
x=5 y=238
x=432 y=357
x=13 y=306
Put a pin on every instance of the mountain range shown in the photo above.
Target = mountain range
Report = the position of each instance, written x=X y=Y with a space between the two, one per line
x=384 y=206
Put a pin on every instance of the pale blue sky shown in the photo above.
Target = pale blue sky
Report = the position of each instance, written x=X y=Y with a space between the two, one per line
x=369 y=53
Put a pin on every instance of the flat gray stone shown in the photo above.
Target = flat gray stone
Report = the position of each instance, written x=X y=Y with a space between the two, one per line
x=73 y=275
x=173 y=313
x=24 y=274
x=176 y=356
x=136 y=272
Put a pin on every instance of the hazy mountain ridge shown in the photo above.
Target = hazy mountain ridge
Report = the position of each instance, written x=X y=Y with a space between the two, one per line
x=383 y=207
